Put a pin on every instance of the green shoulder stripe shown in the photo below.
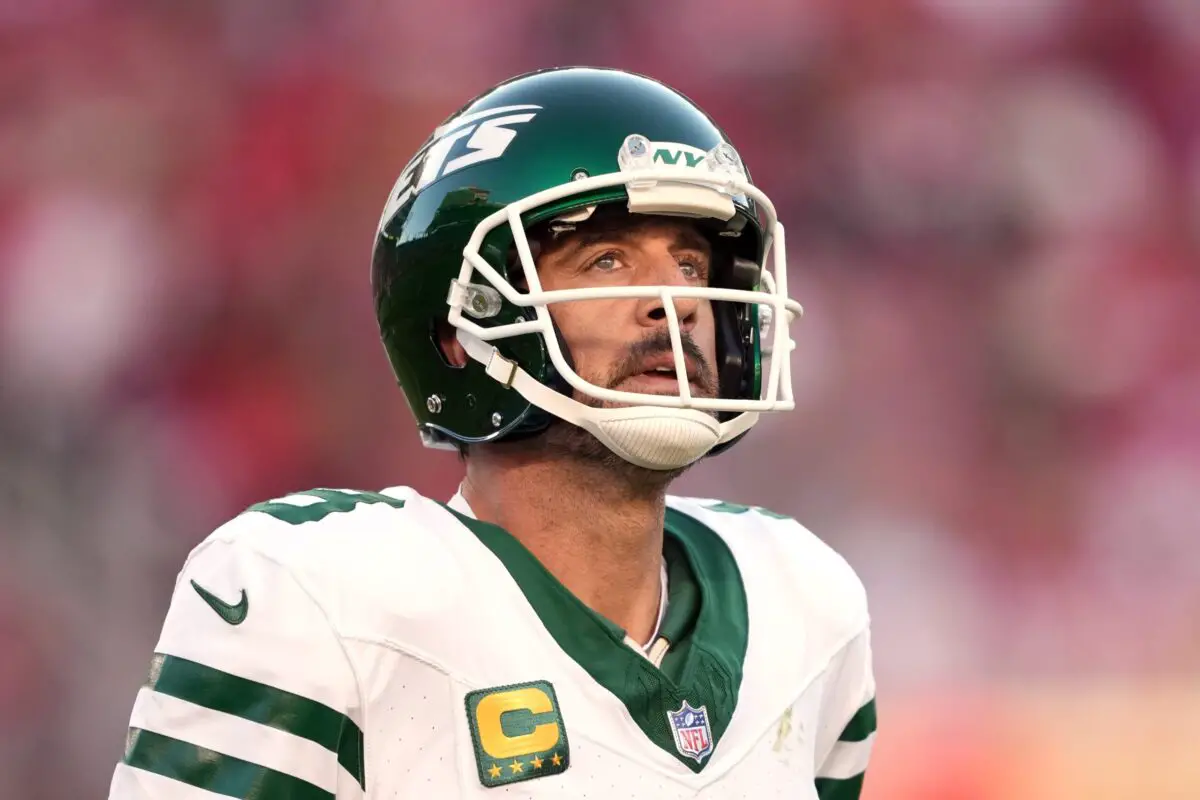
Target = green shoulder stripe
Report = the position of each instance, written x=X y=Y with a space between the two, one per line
x=213 y=771
x=737 y=508
x=329 y=501
x=836 y=789
x=861 y=725
x=266 y=705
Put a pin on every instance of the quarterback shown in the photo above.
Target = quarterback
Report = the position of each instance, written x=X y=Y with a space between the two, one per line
x=581 y=291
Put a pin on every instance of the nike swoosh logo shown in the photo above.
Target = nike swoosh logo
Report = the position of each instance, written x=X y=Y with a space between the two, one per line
x=233 y=613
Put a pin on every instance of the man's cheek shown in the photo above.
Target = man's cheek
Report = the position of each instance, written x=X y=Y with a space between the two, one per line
x=590 y=333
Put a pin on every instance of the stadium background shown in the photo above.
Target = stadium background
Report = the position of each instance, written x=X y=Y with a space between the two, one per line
x=994 y=219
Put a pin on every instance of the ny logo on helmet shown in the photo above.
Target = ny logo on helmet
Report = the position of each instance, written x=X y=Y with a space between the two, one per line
x=670 y=153
x=489 y=138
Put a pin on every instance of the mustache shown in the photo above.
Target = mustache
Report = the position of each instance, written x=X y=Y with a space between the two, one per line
x=659 y=343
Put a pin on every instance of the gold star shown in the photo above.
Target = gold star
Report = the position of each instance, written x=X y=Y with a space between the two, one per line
x=557 y=760
x=494 y=771
x=537 y=762
x=516 y=766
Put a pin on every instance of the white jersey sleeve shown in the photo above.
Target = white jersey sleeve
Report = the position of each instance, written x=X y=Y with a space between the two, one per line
x=847 y=730
x=249 y=694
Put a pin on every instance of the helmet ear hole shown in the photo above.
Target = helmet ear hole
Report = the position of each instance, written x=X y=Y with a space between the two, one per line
x=445 y=340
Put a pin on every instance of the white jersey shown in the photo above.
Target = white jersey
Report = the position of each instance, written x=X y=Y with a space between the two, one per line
x=342 y=645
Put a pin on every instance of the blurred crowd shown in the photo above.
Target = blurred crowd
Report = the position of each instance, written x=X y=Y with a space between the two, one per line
x=993 y=213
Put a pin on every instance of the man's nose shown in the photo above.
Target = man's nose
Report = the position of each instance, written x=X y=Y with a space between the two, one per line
x=665 y=271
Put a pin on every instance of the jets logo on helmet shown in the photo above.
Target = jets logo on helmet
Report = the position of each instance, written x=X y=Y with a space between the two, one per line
x=490 y=137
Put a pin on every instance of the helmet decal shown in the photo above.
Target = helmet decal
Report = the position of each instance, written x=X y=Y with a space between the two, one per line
x=490 y=133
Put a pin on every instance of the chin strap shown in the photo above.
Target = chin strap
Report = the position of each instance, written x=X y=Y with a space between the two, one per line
x=647 y=436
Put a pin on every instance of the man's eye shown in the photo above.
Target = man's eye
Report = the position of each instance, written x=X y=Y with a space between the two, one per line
x=605 y=263
x=693 y=270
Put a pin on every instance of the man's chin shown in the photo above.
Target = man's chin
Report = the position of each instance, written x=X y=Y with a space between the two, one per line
x=567 y=442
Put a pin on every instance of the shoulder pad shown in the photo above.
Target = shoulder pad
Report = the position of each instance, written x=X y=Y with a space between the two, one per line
x=816 y=575
x=339 y=541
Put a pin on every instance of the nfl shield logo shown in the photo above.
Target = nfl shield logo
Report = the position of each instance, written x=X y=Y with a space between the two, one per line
x=689 y=725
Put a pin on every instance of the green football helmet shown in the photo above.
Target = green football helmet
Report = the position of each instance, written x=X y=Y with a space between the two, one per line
x=552 y=147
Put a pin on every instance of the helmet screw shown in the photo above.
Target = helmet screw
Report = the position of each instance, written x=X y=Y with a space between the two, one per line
x=496 y=419
x=579 y=174
x=434 y=403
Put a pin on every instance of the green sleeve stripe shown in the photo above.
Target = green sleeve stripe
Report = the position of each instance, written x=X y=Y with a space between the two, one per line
x=331 y=501
x=266 y=705
x=861 y=725
x=835 y=789
x=213 y=771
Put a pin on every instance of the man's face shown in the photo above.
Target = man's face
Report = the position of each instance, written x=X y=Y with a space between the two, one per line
x=624 y=343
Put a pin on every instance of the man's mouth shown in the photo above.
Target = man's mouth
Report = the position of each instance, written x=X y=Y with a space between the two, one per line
x=662 y=380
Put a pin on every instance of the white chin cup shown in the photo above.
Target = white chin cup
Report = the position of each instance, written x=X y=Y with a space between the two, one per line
x=654 y=438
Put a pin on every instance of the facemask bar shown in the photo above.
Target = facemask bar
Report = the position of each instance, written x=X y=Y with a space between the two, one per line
x=483 y=301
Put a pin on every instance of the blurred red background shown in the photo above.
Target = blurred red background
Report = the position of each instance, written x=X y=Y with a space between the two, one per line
x=994 y=224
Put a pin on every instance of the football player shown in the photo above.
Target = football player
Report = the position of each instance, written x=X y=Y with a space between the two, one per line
x=580 y=289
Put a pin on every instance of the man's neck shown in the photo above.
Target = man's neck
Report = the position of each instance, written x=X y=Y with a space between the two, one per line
x=600 y=537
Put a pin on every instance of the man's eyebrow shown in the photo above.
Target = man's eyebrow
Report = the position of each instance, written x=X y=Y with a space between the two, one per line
x=582 y=241
x=685 y=237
